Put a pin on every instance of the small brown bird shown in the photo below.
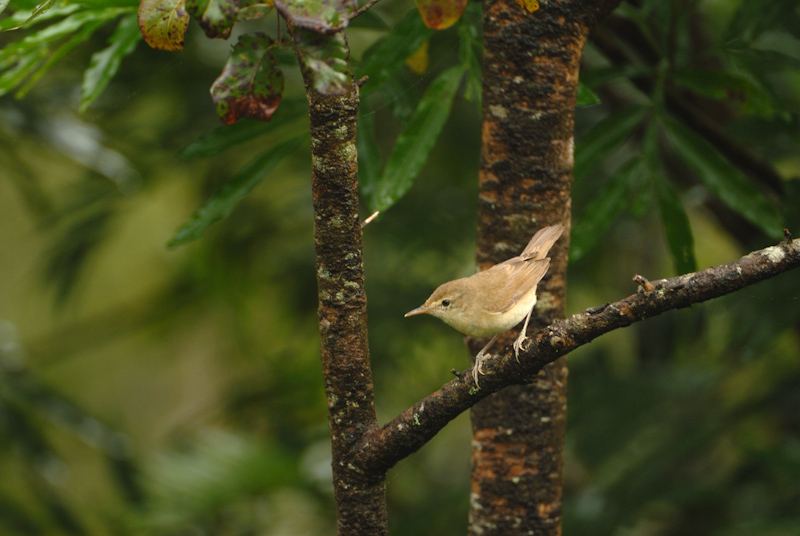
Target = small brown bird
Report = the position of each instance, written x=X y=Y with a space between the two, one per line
x=495 y=300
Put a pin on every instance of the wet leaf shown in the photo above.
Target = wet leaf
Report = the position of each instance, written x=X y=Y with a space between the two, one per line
x=216 y=17
x=440 y=14
x=163 y=23
x=321 y=16
x=224 y=201
x=105 y=64
x=723 y=179
x=415 y=142
x=251 y=85
x=326 y=57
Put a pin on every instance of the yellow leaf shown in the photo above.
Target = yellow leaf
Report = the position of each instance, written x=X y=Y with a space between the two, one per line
x=529 y=5
x=419 y=60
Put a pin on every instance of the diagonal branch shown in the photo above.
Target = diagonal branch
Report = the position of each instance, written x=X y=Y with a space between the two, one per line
x=382 y=448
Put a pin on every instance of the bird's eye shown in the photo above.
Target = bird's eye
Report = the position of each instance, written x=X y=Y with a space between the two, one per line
x=445 y=303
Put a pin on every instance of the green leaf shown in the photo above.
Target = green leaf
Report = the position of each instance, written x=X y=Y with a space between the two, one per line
x=163 y=23
x=326 y=57
x=24 y=66
x=251 y=85
x=606 y=137
x=415 y=142
x=387 y=55
x=369 y=154
x=586 y=97
x=224 y=201
x=469 y=41
x=253 y=9
x=30 y=57
x=105 y=64
x=725 y=86
x=605 y=207
x=38 y=11
x=319 y=16
x=19 y=18
x=227 y=136
x=63 y=49
x=676 y=226
x=754 y=18
x=723 y=179
x=216 y=17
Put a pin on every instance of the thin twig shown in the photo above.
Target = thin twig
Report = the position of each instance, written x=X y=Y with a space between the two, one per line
x=363 y=8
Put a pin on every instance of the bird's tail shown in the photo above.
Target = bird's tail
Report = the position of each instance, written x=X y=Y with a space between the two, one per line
x=541 y=242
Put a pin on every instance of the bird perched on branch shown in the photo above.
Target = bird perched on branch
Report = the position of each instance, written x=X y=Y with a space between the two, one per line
x=494 y=300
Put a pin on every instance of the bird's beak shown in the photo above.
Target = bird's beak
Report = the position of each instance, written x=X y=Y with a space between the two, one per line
x=418 y=311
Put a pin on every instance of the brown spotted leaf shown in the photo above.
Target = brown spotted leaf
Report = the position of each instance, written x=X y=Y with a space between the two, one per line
x=322 y=16
x=254 y=9
x=163 y=23
x=216 y=17
x=251 y=85
x=325 y=59
x=440 y=14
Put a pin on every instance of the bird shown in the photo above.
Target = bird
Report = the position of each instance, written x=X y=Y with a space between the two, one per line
x=495 y=300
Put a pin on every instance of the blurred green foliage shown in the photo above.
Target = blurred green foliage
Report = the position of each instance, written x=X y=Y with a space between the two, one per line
x=146 y=390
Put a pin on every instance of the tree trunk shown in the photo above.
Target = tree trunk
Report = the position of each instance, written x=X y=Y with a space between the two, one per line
x=360 y=495
x=530 y=81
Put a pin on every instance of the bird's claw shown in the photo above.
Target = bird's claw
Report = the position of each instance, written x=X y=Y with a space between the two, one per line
x=477 y=369
x=518 y=344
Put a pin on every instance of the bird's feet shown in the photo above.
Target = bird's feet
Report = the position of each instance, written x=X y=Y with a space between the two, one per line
x=518 y=344
x=477 y=369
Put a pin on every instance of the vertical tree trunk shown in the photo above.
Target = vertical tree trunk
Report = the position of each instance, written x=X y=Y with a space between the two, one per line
x=360 y=495
x=530 y=80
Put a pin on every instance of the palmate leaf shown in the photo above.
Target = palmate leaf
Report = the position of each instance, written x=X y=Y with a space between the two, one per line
x=325 y=58
x=216 y=17
x=440 y=14
x=251 y=85
x=723 y=179
x=105 y=64
x=321 y=16
x=163 y=23
x=223 y=202
x=415 y=142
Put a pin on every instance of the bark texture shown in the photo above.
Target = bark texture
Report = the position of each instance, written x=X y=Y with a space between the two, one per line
x=360 y=495
x=530 y=69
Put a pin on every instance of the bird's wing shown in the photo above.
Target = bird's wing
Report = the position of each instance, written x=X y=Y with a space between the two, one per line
x=519 y=279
